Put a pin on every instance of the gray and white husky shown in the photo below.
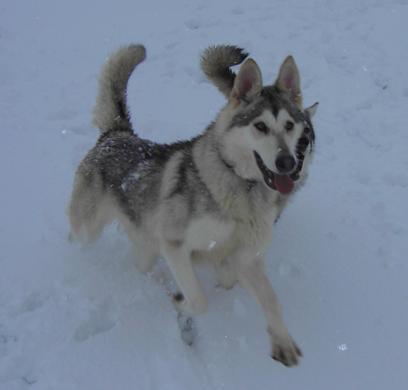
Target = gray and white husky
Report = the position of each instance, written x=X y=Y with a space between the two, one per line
x=214 y=197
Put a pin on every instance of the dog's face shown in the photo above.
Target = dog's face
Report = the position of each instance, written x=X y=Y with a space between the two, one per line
x=267 y=127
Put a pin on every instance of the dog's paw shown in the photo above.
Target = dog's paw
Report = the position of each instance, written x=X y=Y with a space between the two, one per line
x=186 y=326
x=285 y=350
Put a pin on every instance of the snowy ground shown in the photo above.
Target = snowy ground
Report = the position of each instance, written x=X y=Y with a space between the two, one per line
x=83 y=318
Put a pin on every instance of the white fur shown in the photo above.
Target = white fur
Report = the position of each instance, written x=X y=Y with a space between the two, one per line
x=241 y=142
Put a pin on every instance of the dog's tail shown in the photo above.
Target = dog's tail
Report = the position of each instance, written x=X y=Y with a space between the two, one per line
x=111 y=112
x=216 y=62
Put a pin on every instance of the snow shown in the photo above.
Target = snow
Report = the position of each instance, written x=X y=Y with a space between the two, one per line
x=130 y=180
x=212 y=245
x=84 y=318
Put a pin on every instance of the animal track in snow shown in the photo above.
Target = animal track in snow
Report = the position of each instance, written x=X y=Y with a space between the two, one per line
x=99 y=321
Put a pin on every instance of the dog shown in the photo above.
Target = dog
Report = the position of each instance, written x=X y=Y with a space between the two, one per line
x=214 y=197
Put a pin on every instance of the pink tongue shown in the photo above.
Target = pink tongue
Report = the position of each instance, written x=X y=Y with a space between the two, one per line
x=283 y=183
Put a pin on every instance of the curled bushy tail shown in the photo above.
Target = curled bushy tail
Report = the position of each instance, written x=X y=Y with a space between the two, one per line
x=216 y=62
x=111 y=112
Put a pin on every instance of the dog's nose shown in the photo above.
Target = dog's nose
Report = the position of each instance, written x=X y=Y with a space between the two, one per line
x=285 y=163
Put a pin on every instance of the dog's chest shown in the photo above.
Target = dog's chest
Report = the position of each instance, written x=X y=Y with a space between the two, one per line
x=254 y=216
x=254 y=229
x=214 y=239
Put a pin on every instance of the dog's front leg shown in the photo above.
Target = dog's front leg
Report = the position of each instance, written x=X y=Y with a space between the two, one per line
x=193 y=299
x=252 y=276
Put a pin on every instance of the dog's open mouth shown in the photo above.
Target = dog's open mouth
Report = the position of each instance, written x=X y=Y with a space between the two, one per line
x=282 y=183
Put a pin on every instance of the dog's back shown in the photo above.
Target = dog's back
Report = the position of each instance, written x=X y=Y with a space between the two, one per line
x=121 y=176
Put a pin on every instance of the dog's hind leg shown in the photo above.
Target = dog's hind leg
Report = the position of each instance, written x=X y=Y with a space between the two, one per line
x=144 y=248
x=226 y=274
x=90 y=208
x=145 y=254
x=145 y=259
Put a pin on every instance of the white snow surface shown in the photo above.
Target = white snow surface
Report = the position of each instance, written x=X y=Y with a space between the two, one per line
x=84 y=318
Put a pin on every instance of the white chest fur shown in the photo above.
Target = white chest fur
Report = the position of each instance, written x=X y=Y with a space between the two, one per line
x=214 y=239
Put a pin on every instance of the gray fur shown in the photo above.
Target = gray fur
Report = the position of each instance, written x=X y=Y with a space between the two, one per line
x=216 y=62
x=203 y=198
x=270 y=98
x=111 y=112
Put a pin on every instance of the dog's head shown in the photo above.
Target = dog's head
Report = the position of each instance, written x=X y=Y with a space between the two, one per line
x=264 y=131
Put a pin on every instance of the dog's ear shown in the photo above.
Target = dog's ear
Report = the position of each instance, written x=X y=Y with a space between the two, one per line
x=248 y=81
x=289 y=80
x=312 y=109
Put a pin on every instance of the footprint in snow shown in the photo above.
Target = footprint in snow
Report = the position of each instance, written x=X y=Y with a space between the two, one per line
x=193 y=24
x=99 y=321
x=32 y=302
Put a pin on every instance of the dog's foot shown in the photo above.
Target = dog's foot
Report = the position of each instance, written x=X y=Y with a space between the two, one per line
x=285 y=350
x=186 y=327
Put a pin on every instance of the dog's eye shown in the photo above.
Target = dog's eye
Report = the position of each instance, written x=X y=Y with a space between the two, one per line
x=261 y=127
x=289 y=125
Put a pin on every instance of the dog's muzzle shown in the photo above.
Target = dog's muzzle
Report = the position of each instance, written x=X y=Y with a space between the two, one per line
x=282 y=183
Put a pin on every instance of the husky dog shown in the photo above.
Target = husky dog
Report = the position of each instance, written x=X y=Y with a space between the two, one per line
x=214 y=197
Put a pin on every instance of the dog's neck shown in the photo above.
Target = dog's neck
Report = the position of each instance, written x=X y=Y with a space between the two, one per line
x=231 y=192
x=250 y=183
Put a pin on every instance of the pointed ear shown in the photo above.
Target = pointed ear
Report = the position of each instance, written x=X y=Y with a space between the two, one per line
x=289 y=80
x=312 y=109
x=248 y=81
